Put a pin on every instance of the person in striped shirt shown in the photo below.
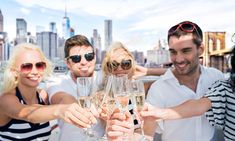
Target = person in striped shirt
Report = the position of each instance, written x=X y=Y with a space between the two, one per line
x=218 y=104
x=24 y=109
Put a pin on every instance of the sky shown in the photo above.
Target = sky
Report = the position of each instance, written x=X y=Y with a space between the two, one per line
x=139 y=24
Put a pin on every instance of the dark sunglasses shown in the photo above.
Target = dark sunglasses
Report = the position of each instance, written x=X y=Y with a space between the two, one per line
x=125 y=65
x=187 y=27
x=27 y=67
x=78 y=58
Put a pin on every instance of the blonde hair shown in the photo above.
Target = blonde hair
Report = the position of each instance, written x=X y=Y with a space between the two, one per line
x=9 y=78
x=109 y=54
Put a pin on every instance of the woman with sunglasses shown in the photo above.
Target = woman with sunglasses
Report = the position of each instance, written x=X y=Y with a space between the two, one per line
x=23 y=111
x=119 y=61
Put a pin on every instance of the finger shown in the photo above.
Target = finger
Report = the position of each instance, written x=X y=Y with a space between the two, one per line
x=115 y=134
x=94 y=111
x=118 y=128
x=124 y=124
x=84 y=115
x=78 y=121
x=119 y=116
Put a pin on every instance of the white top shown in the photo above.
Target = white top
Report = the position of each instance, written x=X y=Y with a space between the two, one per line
x=167 y=92
x=67 y=131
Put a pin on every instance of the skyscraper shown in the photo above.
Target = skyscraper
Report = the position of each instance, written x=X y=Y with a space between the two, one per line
x=48 y=43
x=96 y=43
x=21 y=27
x=1 y=21
x=66 y=25
x=53 y=27
x=108 y=33
x=21 y=31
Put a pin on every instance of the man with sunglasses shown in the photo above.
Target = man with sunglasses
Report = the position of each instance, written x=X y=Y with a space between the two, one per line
x=186 y=80
x=80 y=59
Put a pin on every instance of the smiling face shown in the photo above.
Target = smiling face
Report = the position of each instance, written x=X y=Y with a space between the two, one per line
x=27 y=76
x=121 y=63
x=184 y=54
x=84 y=67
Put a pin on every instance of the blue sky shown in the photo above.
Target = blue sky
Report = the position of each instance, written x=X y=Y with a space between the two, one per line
x=139 y=24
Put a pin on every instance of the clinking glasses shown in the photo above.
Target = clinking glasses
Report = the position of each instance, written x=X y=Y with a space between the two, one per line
x=27 y=67
x=188 y=27
x=125 y=64
x=77 y=58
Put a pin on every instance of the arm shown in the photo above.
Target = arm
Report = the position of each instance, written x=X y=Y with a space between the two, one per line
x=10 y=107
x=142 y=71
x=187 y=109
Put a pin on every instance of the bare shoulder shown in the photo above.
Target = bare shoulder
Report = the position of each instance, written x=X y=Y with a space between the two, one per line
x=8 y=100
x=8 y=96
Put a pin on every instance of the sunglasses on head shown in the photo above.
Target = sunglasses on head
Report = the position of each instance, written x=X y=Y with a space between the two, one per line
x=187 y=27
x=27 y=67
x=78 y=58
x=125 y=65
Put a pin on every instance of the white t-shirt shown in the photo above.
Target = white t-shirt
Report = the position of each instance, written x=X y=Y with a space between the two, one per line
x=167 y=92
x=67 y=131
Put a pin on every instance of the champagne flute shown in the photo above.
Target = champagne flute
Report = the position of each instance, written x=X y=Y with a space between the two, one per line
x=84 y=88
x=121 y=91
x=138 y=94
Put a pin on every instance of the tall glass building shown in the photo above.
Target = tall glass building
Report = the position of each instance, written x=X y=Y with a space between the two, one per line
x=108 y=33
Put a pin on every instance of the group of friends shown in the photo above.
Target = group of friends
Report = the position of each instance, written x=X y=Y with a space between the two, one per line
x=187 y=103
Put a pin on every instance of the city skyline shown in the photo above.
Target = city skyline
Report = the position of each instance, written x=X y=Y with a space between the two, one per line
x=138 y=24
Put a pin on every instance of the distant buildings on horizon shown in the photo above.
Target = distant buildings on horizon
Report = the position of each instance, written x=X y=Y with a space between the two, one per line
x=216 y=52
x=52 y=45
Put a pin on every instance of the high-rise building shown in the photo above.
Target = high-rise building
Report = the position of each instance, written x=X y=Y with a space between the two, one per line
x=159 y=56
x=48 y=43
x=71 y=32
x=139 y=57
x=53 y=27
x=108 y=33
x=66 y=25
x=1 y=21
x=21 y=31
x=21 y=27
x=96 y=43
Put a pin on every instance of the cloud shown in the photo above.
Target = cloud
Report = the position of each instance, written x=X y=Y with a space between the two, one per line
x=139 y=22
x=25 y=11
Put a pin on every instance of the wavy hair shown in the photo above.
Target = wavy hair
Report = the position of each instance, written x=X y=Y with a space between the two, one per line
x=108 y=57
x=9 y=79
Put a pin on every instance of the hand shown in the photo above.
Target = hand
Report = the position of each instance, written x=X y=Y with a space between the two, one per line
x=118 y=125
x=139 y=71
x=152 y=113
x=74 y=114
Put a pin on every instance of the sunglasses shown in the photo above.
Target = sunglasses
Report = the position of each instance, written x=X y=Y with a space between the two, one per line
x=125 y=65
x=78 y=58
x=187 y=27
x=27 y=67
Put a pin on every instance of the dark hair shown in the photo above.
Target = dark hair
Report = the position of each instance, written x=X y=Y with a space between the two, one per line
x=232 y=62
x=190 y=28
x=77 y=40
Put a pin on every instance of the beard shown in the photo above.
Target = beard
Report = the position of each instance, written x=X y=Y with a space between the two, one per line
x=185 y=68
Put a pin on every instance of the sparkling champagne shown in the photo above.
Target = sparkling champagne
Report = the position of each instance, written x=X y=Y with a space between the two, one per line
x=123 y=101
x=85 y=101
x=139 y=100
